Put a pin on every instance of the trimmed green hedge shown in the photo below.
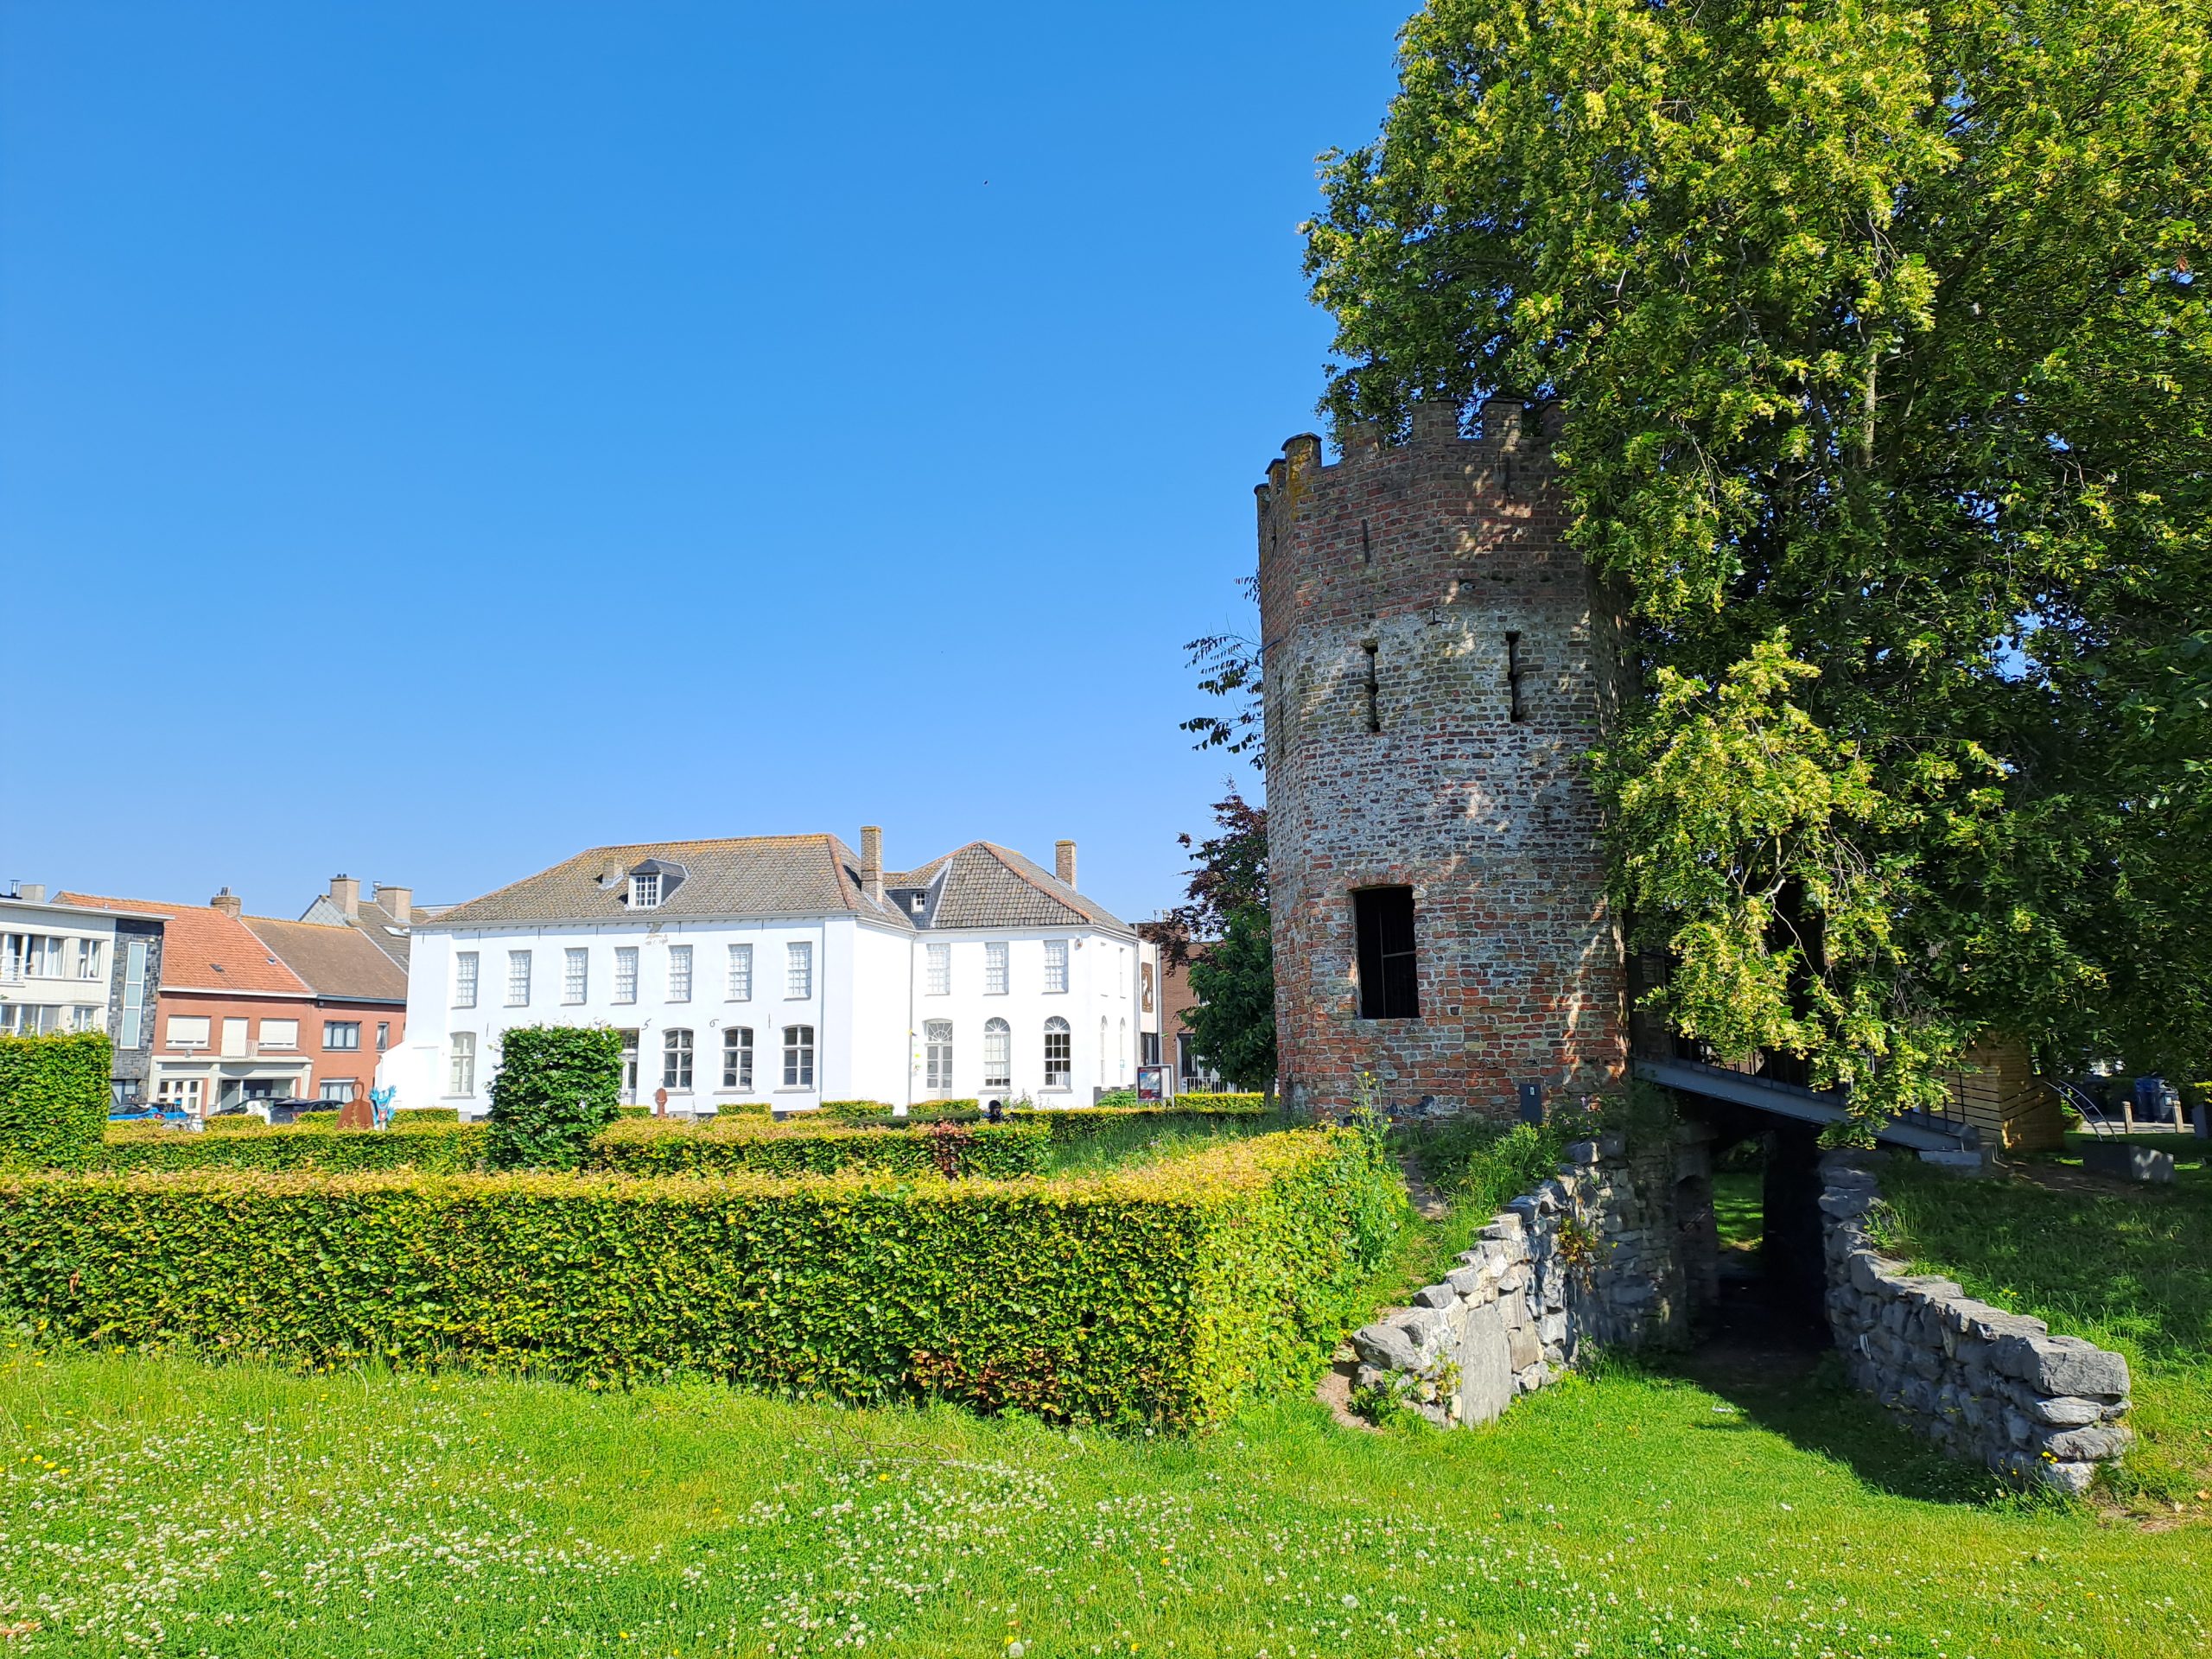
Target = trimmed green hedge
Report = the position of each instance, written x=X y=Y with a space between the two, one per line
x=1168 y=1295
x=405 y=1117
x=722 y=1146
x=53 y=1099
x=445 y=1147
x=556 y=1088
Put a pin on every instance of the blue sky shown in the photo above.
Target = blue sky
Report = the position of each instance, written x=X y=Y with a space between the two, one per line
x=437 y=437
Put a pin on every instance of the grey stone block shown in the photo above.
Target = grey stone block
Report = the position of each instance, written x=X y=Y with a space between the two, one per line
x=1582 y=1151
x=1468 y=1281
x=1386 y=1347
x=1486 y=1367
x=2066 y=1411
x=1443 y=1296
x=2087 y=1444
x=1521 y=1344
x=2071 y=1478
x=2060 y=1364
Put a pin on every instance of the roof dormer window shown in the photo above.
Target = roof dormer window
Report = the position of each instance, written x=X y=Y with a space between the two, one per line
x=645 y=890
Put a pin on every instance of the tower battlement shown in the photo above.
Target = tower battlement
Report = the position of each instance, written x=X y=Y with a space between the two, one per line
x=1437 y=662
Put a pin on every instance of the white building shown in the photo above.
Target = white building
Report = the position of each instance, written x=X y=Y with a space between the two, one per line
x=64 y=967
x=785 y=970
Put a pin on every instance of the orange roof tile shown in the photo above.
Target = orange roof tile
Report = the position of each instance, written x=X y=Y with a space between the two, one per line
x=203 y=949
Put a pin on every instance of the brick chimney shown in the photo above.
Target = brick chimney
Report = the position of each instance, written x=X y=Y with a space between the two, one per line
x=1063 y=861
x=400 y=901
x=228 y=902
x=872 y=860
x=345 y=893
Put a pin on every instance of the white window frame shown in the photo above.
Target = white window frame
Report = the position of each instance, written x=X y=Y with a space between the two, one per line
x=467 y=970
x=644 y=891
x=576 y=975
x=798 y=1057
x=353 y=1047
x=939 y=961
x=1065 y=1068
x=625 y=973
x=461 y=1065
x=679 y=972
x=998 y=1053
x=1056 y=967
x=678 y=1054
x=997 y=971
x=737 y=1059
x=937 y=1045
x=798 y=969
x=741 y=973
x=518 y=977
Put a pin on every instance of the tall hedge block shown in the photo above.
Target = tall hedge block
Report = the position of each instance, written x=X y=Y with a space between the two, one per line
x=1168 y=1295
x=557 y=1087
x=53 y=1099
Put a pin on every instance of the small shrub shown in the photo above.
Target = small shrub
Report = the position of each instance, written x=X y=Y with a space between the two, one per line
x=1114 y=1098
x=1486 y=1162
x=633 y=1111
x=53 y=1099
x=556 y=1088
x=742 y=1109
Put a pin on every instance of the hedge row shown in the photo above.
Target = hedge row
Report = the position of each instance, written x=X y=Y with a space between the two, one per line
x=53 y=1099
x=723 y=1145
x=1165 y=1295
x=448 y=1148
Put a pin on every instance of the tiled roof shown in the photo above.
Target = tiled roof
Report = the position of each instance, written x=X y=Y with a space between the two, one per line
x=333 y=961
x=984 y=885
x=377 y=925
x=203 y=949
x=749 y=875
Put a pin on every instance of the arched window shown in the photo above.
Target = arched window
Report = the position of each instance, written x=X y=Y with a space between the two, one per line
x=1105 y=1068
x=998 y=1054
x=798 y=1057
x=1059 y=1054
x=1121 y=1055
x=937 y=1038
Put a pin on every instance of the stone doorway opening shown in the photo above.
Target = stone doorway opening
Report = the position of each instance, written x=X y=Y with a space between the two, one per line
x=1764 y=1284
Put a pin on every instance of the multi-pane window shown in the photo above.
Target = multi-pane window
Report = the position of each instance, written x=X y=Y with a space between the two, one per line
x=1056 y=964
x=645 y=890
x=998 y=1054
x=994 y=968
x=133 y=1035
x=629 y=1095
x=280 y=1033
x=937 y=1038
x=1059 y=1054
x=737 y=1056
x=383 y=1035
x=675 y=1059
x=1121 y=1053
x=341 y=1033
x=460 y=1074
x=518 y=979
x=798 y=1057
x=576 y=974
x=741 y=973
x=464 y=980
x=798 y=968
x=625 y=973
x=88 y=958
x=679 y=972
x=940 y=969
x=338 y=1088
x=88 y=1018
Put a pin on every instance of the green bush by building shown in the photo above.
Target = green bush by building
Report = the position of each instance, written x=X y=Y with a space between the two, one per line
x=53 y=1099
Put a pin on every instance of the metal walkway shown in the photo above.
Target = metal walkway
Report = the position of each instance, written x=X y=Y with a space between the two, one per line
x=1793 y=1100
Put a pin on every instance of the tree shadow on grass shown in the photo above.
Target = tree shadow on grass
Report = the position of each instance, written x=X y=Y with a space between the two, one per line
x=1780 y=1374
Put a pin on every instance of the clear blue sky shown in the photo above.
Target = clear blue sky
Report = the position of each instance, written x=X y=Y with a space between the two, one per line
x=436 y=437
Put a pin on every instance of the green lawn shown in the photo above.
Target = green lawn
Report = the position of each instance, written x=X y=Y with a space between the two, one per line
x=2128 y=1267
x=1738 y=1208
x=243 y=1511
x=1138 y=1140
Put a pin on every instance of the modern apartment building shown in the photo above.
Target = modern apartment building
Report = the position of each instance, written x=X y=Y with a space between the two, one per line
x=66 y=968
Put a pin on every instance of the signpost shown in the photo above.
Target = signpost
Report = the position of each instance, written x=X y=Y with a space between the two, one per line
x=1153 y=1084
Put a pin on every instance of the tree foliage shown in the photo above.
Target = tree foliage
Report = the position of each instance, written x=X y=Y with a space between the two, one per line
x=1888 y=387
x=1233 y=1027
x=1230 y=875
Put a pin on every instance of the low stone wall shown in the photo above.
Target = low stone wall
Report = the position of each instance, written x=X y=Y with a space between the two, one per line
x=1593 y=1255
x=1984 y=1385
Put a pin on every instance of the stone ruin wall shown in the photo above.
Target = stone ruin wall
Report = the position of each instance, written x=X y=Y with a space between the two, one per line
x=1986 y=1386
x=1616 y=1251
x=1432 y=552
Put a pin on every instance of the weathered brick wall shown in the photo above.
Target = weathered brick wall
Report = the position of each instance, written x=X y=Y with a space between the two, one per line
x=1432 y=552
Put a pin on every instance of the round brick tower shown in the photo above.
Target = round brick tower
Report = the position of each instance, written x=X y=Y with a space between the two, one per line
x=1436 y=664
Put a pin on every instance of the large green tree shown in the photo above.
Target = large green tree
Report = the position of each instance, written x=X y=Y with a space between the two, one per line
x=1886 y=379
